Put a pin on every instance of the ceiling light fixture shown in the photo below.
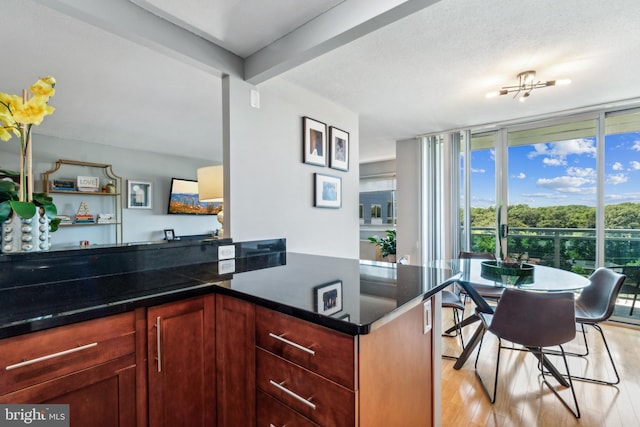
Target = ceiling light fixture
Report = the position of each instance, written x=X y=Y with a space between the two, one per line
x=526 y=84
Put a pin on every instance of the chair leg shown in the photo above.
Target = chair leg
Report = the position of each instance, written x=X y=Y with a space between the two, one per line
x=456 y=320
x=633 y=304
x=540 y=356
x=606 y=346
x=613 y=365
x=492 y=398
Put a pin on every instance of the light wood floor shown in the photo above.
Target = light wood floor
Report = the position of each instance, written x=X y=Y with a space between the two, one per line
x=522 y=398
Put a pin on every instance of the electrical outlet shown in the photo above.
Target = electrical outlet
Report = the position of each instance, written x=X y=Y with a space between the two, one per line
x=227 y=266
x=226 y=252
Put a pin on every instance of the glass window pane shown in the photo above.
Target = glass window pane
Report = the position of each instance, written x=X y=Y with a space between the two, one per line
x=552 y=195
x=482 y=190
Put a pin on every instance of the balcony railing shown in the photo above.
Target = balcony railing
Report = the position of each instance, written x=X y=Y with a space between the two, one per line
x=566 y=248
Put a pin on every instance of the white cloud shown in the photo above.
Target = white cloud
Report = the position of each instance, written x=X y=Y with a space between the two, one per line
x=474 y=170
x=635 y=165
x=568 y=184
x=617 y=166
x=556 y=153
x=636 y=146
x=521 y=175
x=616 y=179
x=582 y=172
x=550 y=161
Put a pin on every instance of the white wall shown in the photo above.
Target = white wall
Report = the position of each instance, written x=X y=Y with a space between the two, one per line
x=268 y=189
x=139 y=224
x=270 y=192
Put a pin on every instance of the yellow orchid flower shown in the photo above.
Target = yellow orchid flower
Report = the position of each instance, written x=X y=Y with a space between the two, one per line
x=44 y=87
x=4 y=135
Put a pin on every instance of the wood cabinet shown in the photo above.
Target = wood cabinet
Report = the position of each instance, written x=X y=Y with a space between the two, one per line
x=310 y=375
x=235 y=362
x=89 y=365
x=181 y=363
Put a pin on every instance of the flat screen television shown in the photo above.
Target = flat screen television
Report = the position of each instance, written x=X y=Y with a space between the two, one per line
x=183 y=199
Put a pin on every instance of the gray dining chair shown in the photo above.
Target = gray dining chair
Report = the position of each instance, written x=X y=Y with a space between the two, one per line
x=594 y=305
x=490 y=293
x=534 y=320
x=452 y=300
x=631 y=284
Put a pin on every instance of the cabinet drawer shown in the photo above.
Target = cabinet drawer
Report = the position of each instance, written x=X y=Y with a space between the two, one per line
x=273 y=413
x=39 y=356
x=315 y=397
x=319 y=349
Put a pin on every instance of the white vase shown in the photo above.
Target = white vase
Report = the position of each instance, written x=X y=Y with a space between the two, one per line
x=26 y=234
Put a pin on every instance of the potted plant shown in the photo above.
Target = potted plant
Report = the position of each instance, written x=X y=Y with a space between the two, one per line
x=387 y=244
x=18 y=203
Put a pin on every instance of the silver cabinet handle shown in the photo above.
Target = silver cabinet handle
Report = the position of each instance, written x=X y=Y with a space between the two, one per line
x=158 y=342
x=280 y=387
x=49 y=356
x=291 y=343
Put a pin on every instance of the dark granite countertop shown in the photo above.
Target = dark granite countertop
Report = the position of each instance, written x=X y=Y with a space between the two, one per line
x=360 y=297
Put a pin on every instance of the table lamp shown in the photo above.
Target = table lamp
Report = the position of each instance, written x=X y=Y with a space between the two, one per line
x=211 y=188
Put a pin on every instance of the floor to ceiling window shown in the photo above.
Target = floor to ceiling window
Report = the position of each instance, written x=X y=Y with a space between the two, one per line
x=570 y=187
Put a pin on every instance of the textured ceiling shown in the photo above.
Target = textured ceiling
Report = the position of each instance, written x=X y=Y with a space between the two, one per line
x=426 y=72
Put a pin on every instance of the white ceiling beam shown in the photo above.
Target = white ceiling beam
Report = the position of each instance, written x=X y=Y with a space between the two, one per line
x=343 y=24
x=129 y=21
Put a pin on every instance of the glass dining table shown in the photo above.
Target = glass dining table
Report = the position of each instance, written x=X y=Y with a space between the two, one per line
x=470 y=273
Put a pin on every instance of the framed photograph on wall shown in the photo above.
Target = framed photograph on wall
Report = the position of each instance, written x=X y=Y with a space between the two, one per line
x=314 y=137
x=328 y=298
x=339 y=149
x=138 y=195
x=327 y=191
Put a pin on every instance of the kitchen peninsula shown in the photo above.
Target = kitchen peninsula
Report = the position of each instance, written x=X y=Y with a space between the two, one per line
x=167 y=333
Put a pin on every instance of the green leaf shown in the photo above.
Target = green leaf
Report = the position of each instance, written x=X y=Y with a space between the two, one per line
x=50 y=210
x=23 y=209
x=5 y=211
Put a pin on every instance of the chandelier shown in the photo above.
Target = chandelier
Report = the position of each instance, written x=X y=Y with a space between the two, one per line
x=526 y=84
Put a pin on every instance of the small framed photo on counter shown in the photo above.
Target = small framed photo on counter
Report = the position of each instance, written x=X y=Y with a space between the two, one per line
x=169 y=234
x=328 y=298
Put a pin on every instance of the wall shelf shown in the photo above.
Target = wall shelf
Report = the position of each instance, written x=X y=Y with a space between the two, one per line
x=71 y=169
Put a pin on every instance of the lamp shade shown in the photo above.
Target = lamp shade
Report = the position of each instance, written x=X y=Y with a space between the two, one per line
x=210 y=184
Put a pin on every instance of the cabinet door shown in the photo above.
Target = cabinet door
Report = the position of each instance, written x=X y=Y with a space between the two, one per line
x=181 y=363
x=102 y=396
x=235 y=362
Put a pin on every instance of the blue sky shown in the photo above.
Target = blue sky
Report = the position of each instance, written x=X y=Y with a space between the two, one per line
x=561 y=173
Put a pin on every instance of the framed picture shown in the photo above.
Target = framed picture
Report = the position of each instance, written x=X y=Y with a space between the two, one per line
x=139 y=195
x=314 y=137
x=328 y=298
x=169 y=234
x=328 y=191
x=339 y=149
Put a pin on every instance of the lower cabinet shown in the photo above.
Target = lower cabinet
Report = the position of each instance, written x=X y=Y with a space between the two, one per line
x=181 y=363
x=90 y=365
x=215 y=360
x=235 y=362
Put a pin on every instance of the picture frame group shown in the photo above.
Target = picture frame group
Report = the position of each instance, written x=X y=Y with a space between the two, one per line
x=322 y=148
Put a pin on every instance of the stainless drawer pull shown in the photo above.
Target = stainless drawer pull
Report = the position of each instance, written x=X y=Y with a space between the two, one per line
x=49 y=356
x=291 y=343
x=292 y=394
x=159 y=343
